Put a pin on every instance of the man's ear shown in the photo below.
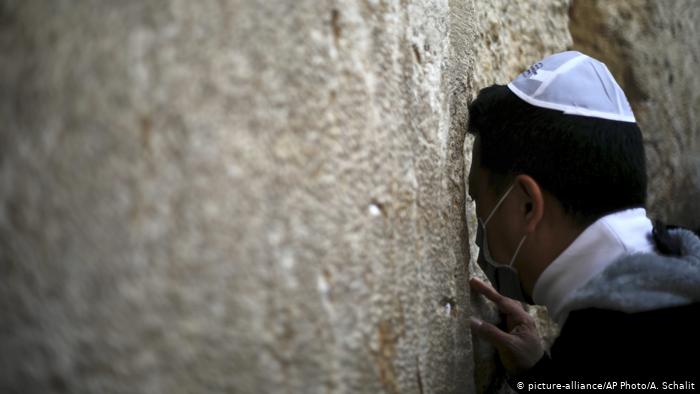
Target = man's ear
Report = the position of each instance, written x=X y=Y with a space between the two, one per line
x=532 y=201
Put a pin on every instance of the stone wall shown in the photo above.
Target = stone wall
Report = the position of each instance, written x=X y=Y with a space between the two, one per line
x=509 y=37
x=246 y=196
x=652 y=48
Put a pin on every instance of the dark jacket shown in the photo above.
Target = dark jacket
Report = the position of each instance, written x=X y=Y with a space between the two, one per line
x=638 y=323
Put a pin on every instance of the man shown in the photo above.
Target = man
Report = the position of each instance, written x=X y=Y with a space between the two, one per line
x=559 y=180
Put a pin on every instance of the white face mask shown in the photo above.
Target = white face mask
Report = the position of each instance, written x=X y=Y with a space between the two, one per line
x=504 y=277
x=487 y=253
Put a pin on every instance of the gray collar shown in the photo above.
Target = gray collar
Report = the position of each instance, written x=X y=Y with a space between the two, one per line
x=644 y=281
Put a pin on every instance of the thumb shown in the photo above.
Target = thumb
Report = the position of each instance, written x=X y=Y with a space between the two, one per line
x=497 y=337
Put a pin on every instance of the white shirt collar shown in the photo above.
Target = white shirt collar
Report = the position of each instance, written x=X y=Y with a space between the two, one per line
x=598 y=246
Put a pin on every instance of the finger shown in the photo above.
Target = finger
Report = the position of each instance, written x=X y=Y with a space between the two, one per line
x=505 y=304
x=494 y=335
x=485 y=289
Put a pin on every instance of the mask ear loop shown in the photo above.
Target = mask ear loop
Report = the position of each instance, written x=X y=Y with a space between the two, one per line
x=522 y=241
x=493 y=211
x=498 y=204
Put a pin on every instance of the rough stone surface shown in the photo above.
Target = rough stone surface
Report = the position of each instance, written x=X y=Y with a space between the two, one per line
x=653 y=50
x=510 y=36
x=244 y=196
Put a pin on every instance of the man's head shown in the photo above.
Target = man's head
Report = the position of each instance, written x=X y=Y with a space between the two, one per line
x=567 y=170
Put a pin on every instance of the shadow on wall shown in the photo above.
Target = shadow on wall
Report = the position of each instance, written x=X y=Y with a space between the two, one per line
x=651 y=48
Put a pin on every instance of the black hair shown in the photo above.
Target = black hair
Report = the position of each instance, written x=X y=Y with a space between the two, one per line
x=592 y=166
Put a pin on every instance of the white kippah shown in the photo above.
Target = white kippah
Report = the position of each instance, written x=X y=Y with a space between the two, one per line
x=575 y=84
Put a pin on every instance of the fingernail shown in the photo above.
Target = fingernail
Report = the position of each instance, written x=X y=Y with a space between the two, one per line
x=475 y=322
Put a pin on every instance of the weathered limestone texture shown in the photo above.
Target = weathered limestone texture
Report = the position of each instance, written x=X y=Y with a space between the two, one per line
x=246 y=196
x=653 y=50
x=509 y=37
x=253 y=197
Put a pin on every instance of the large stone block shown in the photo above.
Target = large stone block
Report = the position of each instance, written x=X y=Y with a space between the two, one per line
x=508 y=37
x=245 y=196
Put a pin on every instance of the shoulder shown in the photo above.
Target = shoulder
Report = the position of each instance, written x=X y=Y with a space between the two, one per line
x=587 y=318
x=641 y=282
x=609 y=342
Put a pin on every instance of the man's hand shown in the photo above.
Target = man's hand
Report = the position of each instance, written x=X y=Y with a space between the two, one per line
x=521 y=347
